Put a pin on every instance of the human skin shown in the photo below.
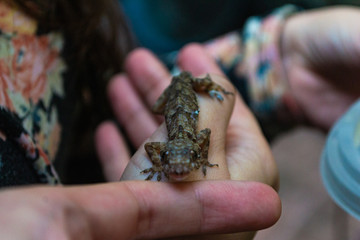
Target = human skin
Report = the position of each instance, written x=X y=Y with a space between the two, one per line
x=236 y=143
x=321 y=56
x=133 y=209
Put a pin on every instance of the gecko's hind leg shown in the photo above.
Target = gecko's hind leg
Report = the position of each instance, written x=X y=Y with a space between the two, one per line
x=203 y=139
x=154 y=149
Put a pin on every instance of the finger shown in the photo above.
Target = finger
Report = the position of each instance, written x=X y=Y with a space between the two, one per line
x=251 y=157
x=195 y=59
x=149 y=76
x=139 y=210
x=215 y=115
x=112 y=150
x=137 y=120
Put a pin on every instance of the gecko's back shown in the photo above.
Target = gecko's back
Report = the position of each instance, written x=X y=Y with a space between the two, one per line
x=186 y=149
x=182 y=109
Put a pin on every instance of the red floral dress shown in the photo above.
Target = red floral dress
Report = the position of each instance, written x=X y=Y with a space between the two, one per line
x=31 y=85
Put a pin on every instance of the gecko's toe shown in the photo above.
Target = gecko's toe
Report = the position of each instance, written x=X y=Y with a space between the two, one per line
x=149 y=178
x=158 y=177
x=146 y=170
x=208 y=165
x=216 y=94
x=227 y=92
x=152 y=174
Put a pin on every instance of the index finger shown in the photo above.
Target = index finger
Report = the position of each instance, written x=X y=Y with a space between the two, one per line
x=151 y=210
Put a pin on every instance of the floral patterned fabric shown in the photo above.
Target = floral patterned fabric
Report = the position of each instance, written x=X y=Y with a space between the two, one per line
x=31 y=83
x=252 y=60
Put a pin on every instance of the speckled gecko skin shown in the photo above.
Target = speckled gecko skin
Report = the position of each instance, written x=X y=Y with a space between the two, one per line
x=186 y=149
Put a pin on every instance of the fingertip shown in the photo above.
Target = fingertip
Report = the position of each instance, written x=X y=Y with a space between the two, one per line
x=194 y=58
x=189 y=50
x=250 y=206
x=141 y=63
x=271 y=207
x=147 y=73
x=268 y=204
x=112 y=150
x=114 y=85
x=136 y=55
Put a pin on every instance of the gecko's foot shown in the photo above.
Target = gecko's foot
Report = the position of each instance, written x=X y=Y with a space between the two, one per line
x=217 y=94
x=208 y=164
x=152 y=172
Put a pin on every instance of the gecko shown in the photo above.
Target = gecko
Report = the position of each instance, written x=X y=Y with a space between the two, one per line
x=186 y=149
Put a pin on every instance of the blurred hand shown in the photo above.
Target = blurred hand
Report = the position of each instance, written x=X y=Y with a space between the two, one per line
x=236 y=144
x=321 y=54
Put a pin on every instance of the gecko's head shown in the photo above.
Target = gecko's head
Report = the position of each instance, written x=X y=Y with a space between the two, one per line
x=180 y=158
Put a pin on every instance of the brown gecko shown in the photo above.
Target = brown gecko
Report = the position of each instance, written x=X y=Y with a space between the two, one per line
x=186 y=149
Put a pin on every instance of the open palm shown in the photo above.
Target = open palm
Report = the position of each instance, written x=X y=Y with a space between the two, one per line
x=236 y=142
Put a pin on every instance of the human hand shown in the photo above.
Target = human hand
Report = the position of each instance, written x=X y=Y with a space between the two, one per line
x=321 y=55
x=238 y=146
x=248 y=156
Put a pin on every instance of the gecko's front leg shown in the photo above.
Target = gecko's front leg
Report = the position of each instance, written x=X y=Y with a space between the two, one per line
x=154 y=150
x=206 y=84
x=203 y=139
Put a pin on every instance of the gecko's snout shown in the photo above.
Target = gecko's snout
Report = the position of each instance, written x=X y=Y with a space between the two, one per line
x=179 y=171
x=180 y=158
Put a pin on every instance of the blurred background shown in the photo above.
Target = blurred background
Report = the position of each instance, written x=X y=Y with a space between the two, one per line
x=308 y=211
x=166 y=25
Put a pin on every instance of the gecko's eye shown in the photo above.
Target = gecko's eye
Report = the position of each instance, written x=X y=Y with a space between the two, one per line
x=193 y=154
x=165 y=155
